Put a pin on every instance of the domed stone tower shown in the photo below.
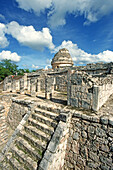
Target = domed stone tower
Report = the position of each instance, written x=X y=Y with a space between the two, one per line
x=62 y=59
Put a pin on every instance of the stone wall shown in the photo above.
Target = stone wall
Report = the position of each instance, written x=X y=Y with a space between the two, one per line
x=3 y=125
x=7 y=84
x=80 y=90
x=90 y=143
x=5 y=101
x=17 y=111
x=49 y=86
x=96 y=68
x=105 y=89
x=89 y=92
x=42 y=83
x=61 y=83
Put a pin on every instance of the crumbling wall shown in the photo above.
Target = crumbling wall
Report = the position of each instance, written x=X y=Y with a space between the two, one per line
x=90 y=143
x=42 y=83
x=49 y=86
x=17 y=111
x=105 y=89
x=61 y=82
x=80 y=90
x=89 y=92
x=8 y=84
x=96 y=68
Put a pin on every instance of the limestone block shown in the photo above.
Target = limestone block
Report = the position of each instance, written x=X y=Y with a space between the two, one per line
x=74 y=102
x=85 y=104
x=95 y=104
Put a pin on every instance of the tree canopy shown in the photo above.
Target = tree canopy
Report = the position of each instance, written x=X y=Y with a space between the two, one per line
x=8 y=67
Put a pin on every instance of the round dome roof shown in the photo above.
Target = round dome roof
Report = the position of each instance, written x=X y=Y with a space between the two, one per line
x=62 y=57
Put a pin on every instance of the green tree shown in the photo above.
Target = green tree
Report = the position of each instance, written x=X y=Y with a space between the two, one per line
x=4 y=73
x=9 y=65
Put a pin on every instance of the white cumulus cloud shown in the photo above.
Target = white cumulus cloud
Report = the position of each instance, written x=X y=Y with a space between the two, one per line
x=93 y=10
x=28 y=36
x=10 y=56
x=79 y=56
x=3 y=40
x=36 y=5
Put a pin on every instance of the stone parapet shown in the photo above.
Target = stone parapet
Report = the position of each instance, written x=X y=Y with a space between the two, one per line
x=55 y=154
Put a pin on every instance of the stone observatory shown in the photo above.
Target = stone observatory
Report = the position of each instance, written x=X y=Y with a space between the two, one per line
x=62 y=59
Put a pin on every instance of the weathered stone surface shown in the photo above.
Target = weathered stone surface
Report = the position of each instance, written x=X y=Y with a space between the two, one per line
x=111 y=121
x=76 y=136
x=104 y=120
x=3 y=126
x=93 y=144
x=104 y=148
x=100 y=132
x=84 y=134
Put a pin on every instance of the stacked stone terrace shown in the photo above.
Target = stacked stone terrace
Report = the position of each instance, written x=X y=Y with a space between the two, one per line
x=53 y=136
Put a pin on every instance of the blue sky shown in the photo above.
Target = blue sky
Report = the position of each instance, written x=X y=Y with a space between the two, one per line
x=31 y=32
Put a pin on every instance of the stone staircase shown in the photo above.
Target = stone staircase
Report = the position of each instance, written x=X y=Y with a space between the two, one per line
x=32 y=141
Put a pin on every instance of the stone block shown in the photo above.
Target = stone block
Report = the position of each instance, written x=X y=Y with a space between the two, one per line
x=104 y=148
x=85 y=104
x=111 y=121
x=43 y=165
x=93 y=156
x=95 y=98
x=48 y=156
x=85 y=117
x=76 y=136
x=84 y=134
x=100 y=132
x=104 y=120
x=74 y=102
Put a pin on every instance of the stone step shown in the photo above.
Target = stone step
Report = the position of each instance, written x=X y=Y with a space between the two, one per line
x=37 y=133
x=15 y=164
x=33 y=141
x=31 y=152
x=11 y=163
x=4 y=165
x=44 y=120
x=48 y=114
x=50 y=107
x=23 y=158
x=41 y=126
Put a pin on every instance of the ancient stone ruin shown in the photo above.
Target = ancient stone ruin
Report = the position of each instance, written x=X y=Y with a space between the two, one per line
x=62 y=118
x=62 y=59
